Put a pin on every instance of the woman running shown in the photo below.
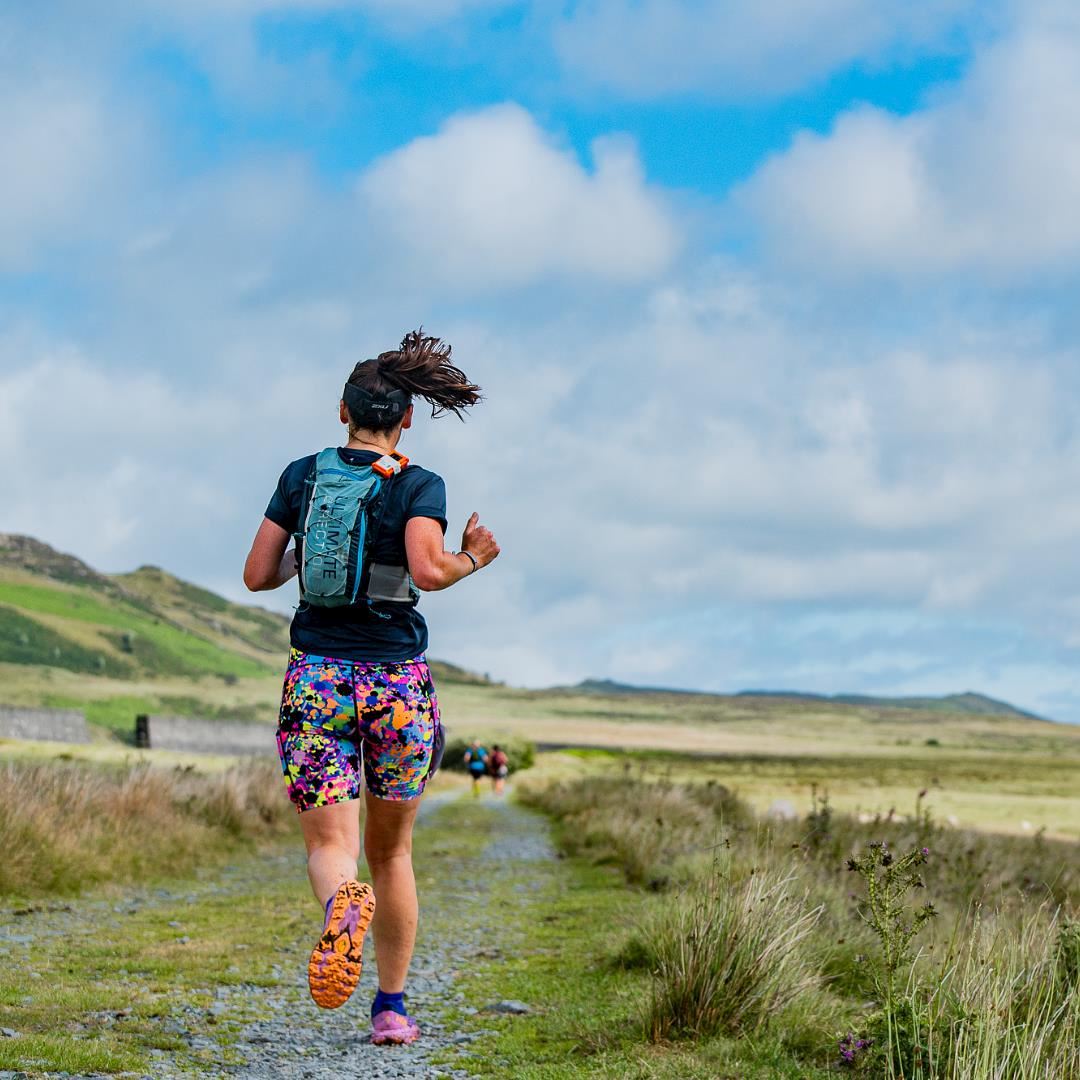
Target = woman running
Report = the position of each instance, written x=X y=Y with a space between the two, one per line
x=369 y=534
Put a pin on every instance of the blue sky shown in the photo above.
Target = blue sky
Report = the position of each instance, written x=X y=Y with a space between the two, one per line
x=772 y=304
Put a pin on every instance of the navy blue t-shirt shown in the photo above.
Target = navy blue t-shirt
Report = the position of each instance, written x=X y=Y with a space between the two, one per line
x=354 y=633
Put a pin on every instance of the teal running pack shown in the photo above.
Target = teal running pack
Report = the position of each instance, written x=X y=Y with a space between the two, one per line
x=339 y=521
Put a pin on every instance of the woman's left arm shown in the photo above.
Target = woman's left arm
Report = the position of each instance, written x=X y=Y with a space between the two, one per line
x=271 y=562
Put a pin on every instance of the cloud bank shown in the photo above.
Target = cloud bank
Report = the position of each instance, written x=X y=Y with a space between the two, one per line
x=715 y=466
x=983 y=181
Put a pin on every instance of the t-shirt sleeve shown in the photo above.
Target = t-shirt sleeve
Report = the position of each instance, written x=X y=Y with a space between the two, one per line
x=428 y=500
x=284 y=506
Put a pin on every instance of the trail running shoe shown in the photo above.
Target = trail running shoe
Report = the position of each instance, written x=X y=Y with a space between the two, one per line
x=391 y=1027
x=334 y=967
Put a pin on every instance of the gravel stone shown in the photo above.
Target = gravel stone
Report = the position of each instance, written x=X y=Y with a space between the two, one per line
x=514 y=1008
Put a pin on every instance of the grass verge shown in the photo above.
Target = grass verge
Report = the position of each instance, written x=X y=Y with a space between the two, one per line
x=761 y=929
x=557 y=926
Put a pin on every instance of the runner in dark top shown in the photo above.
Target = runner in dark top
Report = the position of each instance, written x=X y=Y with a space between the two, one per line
x=499 y=767
x=357 y=688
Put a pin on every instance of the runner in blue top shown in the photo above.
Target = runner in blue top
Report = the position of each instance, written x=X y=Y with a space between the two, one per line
x=476 y=761
x=359 y=717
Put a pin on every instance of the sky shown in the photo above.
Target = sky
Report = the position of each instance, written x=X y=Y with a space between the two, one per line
x=773 y=307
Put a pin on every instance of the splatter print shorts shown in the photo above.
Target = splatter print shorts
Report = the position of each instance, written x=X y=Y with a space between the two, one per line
x=337 y=713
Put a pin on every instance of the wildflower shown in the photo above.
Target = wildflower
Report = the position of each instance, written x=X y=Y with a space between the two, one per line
x=851 y=1048
x=925 y=852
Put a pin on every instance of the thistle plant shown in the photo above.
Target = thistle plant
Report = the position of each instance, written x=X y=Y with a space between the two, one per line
x=889 y=879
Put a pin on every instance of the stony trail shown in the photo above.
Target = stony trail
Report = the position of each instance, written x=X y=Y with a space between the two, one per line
x=258 y=1031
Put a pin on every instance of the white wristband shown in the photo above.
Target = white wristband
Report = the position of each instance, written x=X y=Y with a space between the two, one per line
x=472 y=558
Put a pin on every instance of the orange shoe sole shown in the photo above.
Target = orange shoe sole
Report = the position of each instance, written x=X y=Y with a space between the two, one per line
x=334 y=967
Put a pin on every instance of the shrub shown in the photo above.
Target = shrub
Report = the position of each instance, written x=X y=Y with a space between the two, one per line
x=726 y=957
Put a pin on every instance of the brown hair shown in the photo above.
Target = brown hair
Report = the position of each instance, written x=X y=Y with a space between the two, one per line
x=420 y=367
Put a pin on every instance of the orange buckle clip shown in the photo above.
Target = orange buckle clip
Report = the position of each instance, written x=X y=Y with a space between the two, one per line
x=390 y=464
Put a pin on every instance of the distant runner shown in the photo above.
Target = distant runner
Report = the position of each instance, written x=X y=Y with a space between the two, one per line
x=499 y=766
x=476 y=761
x=368 y=529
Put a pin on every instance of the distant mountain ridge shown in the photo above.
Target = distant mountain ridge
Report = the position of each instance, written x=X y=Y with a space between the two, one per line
x=966 y=702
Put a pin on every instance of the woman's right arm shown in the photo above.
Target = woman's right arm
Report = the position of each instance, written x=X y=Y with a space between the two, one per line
x=269 y=565
x=433 y=567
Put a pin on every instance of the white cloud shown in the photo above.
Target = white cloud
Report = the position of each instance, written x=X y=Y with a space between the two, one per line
x=492 y=200
x=644 y=48
x=985 y=179
x=54 y=139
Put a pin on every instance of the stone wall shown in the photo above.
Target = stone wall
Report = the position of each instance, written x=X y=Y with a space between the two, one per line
x=194 y=736
x=59 y=725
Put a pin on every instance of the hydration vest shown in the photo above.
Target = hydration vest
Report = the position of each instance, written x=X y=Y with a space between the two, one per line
x=340 y=516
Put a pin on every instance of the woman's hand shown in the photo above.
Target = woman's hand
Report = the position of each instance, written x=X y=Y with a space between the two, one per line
x=479 y=541
x=431 y=566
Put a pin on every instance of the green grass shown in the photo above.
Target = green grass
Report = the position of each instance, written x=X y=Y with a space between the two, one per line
x=96 y=1002
x=103 y=1001
x=115 y=714
x=26 y=641
x=153 y=643
x=557 y=926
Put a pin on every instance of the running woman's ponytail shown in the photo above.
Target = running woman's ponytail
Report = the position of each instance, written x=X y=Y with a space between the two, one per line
x=421 y=367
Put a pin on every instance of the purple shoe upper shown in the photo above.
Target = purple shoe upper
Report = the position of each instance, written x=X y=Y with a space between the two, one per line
x=392 y=1027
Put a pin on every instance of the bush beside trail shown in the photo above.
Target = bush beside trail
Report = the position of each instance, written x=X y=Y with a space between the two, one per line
x=895 y=947
x=68 y=826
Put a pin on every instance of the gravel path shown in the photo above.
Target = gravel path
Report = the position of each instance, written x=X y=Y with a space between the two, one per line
x=278 y=1031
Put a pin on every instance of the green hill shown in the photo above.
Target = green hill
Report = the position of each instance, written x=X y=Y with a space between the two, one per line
x=57 y=612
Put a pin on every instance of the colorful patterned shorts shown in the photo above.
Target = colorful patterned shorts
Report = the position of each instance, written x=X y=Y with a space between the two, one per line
x=333 y=712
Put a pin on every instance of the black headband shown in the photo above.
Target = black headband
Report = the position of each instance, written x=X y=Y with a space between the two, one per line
x=386 y=408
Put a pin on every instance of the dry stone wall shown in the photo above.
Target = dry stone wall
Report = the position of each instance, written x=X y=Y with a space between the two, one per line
x=196 y=736
x=55 y=725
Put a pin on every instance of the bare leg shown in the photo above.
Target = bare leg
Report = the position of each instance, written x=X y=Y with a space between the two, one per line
x=332 y=836
x=388 y=847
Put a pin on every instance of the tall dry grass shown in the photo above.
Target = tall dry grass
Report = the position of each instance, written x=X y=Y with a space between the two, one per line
x=727 y=955
x=1003 y=1003
x=66 y=826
